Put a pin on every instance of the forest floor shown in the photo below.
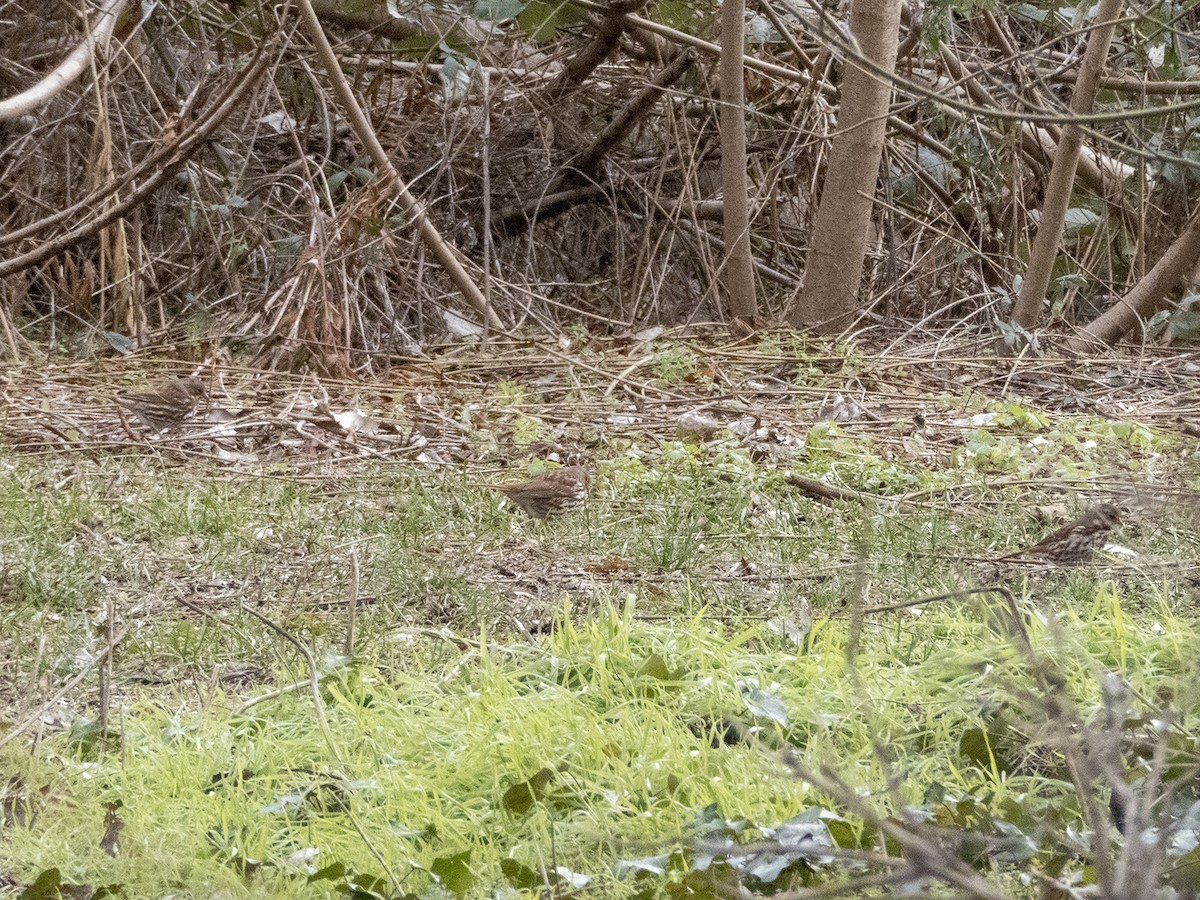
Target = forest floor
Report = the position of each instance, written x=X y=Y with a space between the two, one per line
x=342 y=662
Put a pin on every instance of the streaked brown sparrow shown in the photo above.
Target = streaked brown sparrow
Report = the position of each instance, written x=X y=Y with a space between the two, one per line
x=550 y=493
x=1074 y=543
x=168 y=404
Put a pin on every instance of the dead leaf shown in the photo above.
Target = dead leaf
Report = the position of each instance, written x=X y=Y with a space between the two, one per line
x=610 y=565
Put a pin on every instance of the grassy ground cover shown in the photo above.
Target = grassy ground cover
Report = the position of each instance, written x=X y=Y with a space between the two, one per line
x=662 y=694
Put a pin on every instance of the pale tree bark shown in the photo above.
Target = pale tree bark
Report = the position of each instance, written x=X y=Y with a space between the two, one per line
x=398 y=21
x=839 y=243
x=738 y=272
x=73 y=65
x=1146 y=298
x=1028 y=308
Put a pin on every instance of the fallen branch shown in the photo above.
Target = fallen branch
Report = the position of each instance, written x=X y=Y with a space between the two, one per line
x=820 y=491
x=1147 y=295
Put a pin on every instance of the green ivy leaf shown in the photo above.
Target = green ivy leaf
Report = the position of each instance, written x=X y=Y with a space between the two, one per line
x=519 y=798
x=454 y=872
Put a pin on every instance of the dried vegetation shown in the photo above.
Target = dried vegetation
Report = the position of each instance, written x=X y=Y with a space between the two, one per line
x=208 y=185
x=207 y=195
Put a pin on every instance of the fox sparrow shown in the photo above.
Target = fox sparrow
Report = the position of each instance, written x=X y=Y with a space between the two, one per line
x=1074 y=543
x=554 y=492
x=168 y=404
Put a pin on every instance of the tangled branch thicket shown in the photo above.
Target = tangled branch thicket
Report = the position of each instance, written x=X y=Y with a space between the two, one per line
x=578 y=178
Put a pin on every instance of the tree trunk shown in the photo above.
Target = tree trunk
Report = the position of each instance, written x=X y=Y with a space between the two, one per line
x=1062 y=173
x=839 y=242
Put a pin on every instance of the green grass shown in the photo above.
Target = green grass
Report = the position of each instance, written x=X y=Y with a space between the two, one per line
x=665 y=596
x=422 y=757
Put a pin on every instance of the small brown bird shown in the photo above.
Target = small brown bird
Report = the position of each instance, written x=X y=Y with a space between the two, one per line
x=1074 y=543
x=168 y=404
x=553 y=492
